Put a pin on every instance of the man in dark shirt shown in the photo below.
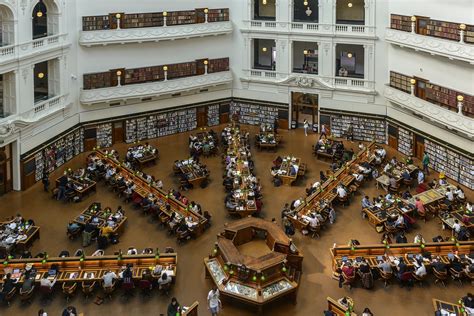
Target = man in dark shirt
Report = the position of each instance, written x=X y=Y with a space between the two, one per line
x=8 y=285
x=438 y=265
x=28 y=285
x=456 y=265
x=402 y=267
x=401 y=238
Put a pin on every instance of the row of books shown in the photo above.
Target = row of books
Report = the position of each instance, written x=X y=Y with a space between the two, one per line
x=405 y=142
x=159 y=125
x=59 y=152
x=104 y=135
x=363 y=128
x=213 y=112
x=153 y=73
x=152 y=19
x=253 y=114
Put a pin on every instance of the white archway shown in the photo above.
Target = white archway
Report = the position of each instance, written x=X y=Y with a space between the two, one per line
x=45 y=18
x=7 y=25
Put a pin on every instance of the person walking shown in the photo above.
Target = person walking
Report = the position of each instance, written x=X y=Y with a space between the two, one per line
x=323 y=131
x=45 y=181
x=426 y=162
x=305 y=126
x=213 y=302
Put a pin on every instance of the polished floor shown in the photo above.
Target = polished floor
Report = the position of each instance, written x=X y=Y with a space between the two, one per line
x=191 y=285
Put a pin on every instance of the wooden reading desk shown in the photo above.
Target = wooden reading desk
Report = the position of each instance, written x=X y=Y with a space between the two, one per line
x=102 y=215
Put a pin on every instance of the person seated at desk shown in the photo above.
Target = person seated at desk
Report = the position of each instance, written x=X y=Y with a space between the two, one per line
x=182 y=227
x=230 y=204
x=109 y=279
x=8 y=285
x=366 y=203
x=69 y=311
x=294 y=170
x=385 y=265
x=449 y=197
x=420 y=269
x=456 y=265
x=375 y=173
x=392 y=182
x=442 y=179
x=381 y=152
x=421 y=177
x=127 y=274
x=406 y=175
x=438 y=265
x=387 y=167
x=468 y=303
x=409 y=160
x=128 y=191
x=401 y=267
x=190 y=223
x=73 y=227
x=46 y=282
x=459 y=193
x=348 y=270
x=313 y=188
x=406 y=195
x=401 y=238
x=419 y=207
x=295 y=204
x=322 y=177
x=359 y=177
x=106 y=231
x=400 y=222
x=312 y=220
x=163 y=280
x=28 y=284
x=341 y=191
x=419 y=239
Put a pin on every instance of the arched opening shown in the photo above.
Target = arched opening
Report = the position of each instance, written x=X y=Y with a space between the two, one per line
x=7 y=26
x=45 y=19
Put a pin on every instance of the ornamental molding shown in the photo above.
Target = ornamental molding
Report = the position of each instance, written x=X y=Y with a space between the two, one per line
x=431 y=45
x=152 y=89
x=452 y=120
x=154 y=34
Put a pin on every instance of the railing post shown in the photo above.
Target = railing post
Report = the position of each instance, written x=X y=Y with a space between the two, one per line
x=118 y=16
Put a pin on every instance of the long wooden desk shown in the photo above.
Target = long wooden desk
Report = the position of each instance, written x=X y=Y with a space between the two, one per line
x=32 y=234
x=144 y=189
x=465 y=219
x=267 y=140
x=431 y=196
x=82 y=187
x=372 y=253
x=73 y=269
x=326 y=191
x=284 y=172
x=191 y=310
x=195 y=174
x=449 y=307
x=337 y=308
x=103 y=215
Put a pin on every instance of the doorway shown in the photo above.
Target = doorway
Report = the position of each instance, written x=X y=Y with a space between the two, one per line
x=420 y=90
x=6 y=169
x=422 y=25
x=304 y=106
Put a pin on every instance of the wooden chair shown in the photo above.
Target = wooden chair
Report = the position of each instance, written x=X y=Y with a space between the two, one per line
x=46 y=293
x=10 y=296
x=74 y=234
x=302 y=170
x=314 y=231
x=165 y=289
x=394 y=189
x=419 y=279
x=25 y=297
x=145 y=287
x=456 y=275
x=69 y=290
x=440 y=277
x=386 y=277
x=127 y=288
x=343 y=200
x=408 y=183
x=109 y=290
x=87 y=288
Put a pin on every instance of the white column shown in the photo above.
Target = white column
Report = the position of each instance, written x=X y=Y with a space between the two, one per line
x=367 y=62
x=16 y=175
x=283 y=57
x=26 y=97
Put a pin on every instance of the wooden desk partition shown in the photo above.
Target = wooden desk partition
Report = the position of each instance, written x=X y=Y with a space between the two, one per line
x=371 y=252
x=192 y=310
x=143 y=188
x=450 y=307
x=337 y=308
x=72 y=269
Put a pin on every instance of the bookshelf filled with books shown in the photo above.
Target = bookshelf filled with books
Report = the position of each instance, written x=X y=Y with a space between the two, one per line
x=364 y=128
x=253 y=114
x=405 y=141
x=400 y=81
x=213 y=112
x=152 y=19
x=152 y=73
x=104 y=135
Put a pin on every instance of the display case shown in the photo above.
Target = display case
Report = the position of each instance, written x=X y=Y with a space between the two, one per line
x=276 y=289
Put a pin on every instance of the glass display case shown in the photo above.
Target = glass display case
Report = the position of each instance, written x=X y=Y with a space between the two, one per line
x=241 y=289
x=276 y=288
x=216 y=270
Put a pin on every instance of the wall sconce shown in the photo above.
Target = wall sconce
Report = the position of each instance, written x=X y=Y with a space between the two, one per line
x=305 y=3
x=264 y=2
x=264 y=49
x=165 y=14
x=412 y=82
x=413 y=20
x=460 y=99
x=349 y=55
x=206 y=62
x=165 y=69
x=41 y=75
x=39 y=14
x=305 y=52
x=462 y=28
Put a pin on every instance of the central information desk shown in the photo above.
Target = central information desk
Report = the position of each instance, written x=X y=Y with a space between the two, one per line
x=77 y=269
x=373 y=253
x=144 y=189
x=326 y=193
x=254 y=262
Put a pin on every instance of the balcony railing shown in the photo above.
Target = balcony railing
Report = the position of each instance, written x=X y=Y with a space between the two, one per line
x=153 y=34
x=433 y=45
x=305 y=28
x=310 y=80
x=433 y=112
x=155 y=89
x=12 y=53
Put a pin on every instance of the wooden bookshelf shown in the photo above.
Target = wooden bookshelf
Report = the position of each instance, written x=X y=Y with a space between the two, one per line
x=153 y=73
x=400 y=22
x=400 y=81
x=442 y=29
x=152 y=19
x=364 y=128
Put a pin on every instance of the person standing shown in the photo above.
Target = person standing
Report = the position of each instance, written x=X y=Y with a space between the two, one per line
x=45 y=181
x=213 y=302
x=323 y=131
x=173 y=307
x=305 y=126
x=426 y=162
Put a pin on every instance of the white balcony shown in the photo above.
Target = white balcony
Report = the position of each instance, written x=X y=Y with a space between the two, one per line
x=155 y=89
x=300 y=28
x=13 y=53
x=153 y=34
x=310 y=81
x=433 y=112
x=432 y=45
x=39 y=111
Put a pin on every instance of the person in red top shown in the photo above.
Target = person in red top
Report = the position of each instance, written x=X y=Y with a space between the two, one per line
x=347 y=272
x=420 y=207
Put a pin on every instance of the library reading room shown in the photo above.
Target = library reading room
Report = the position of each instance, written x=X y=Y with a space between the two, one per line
x=237 y=158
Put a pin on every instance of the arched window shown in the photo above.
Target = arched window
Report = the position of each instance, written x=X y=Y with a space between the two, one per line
x=7 y=26
x=45 y=19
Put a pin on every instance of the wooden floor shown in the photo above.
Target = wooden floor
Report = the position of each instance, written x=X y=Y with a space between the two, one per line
x=316 y=284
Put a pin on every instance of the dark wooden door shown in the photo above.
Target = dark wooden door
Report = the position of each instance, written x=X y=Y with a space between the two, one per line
x=6 y=181
x=419 y=147
x=420 y=89
x=118 y=132
x=201 y=116
x=393 y=142
x=422 y=24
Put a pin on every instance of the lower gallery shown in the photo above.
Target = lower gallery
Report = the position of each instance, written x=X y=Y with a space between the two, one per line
x=258 y=157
